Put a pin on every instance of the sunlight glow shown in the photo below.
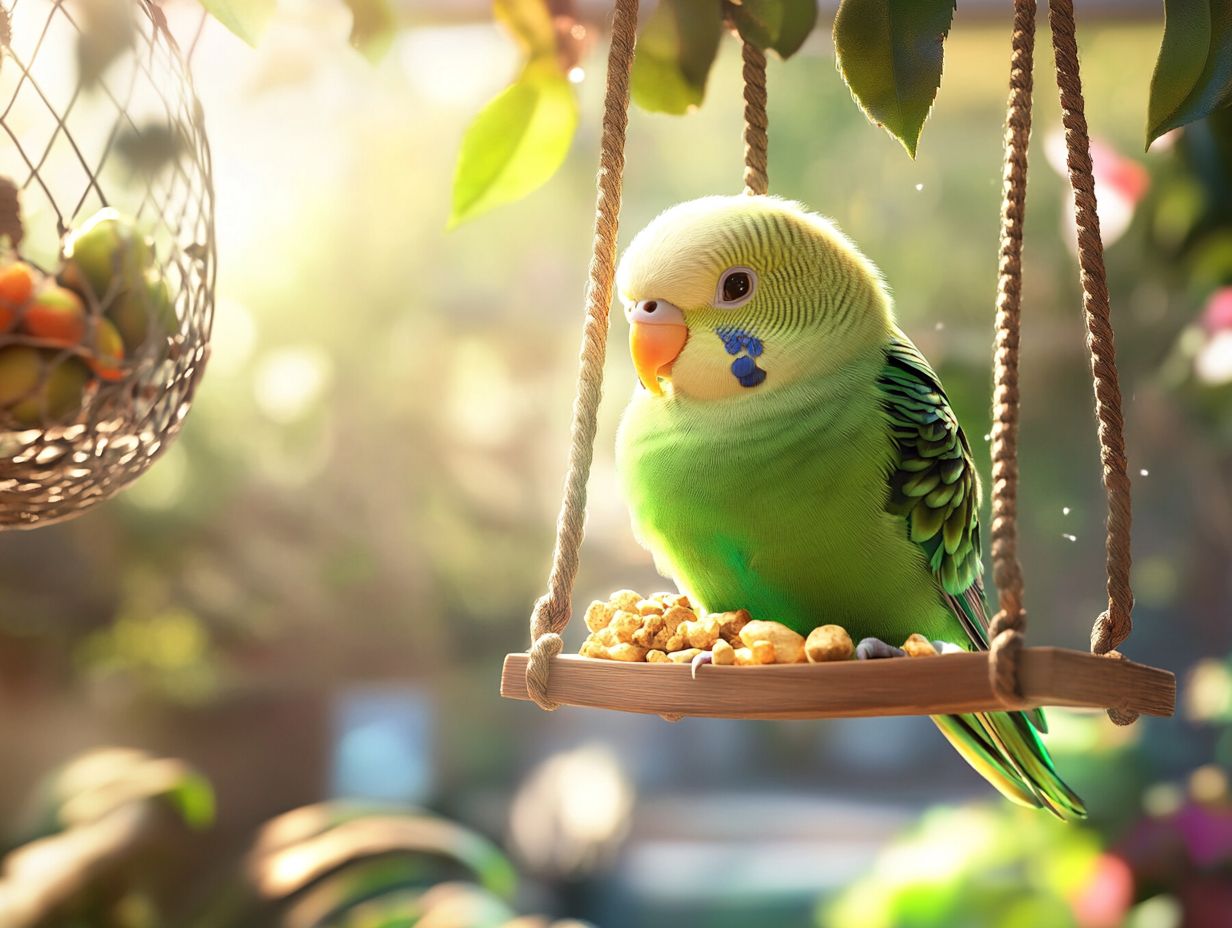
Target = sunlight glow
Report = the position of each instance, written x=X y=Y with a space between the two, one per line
x=457 y=66
x=290 y=381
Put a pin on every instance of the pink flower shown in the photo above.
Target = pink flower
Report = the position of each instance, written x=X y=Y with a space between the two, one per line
x=1217 y=316
x=1120 y=184
x=1103 y=902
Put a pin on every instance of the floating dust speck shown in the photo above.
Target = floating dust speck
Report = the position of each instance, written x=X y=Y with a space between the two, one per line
x=1068 y=537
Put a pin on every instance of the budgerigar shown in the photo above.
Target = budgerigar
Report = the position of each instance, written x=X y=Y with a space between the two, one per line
x=791 y=452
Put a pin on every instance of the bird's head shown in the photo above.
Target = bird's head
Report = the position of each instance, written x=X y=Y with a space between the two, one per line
x=729 y=295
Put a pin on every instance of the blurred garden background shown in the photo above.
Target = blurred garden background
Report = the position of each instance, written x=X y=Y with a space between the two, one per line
x=308 y=598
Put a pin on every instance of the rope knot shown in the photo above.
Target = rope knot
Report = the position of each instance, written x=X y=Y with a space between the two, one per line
x=1003 y=661
x=1120 y=715
x=539 y=669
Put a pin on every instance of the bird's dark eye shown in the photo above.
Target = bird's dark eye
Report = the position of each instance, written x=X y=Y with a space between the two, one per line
x=736 y=286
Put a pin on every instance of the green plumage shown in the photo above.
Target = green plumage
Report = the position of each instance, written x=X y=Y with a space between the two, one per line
x=839 y=489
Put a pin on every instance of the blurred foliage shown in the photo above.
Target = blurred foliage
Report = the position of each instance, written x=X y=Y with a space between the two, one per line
x=779 y=25
x=520 y=138
x=675 y=50
x=104 y=828
x=889 y=53
x=335 y=865
x=973 y=867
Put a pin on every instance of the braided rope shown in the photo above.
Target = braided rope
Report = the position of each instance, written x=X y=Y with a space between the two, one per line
x=551 y=613
x=1005 y=632
x=1114 y=625
x=756 y=159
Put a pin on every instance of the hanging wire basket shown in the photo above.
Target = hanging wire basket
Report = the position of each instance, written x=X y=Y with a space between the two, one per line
x=90 y=120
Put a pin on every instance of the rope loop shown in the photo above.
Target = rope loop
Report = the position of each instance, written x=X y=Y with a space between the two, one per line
x=539 y=669
x=1114 y=625
x=1007 y=570
x=551 y=613
x=1004 y=653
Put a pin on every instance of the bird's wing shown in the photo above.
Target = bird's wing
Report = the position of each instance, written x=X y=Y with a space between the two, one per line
x=935 y=488
x=933 y=484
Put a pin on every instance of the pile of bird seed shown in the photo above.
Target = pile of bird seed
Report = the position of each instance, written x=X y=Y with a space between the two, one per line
x=666 y=628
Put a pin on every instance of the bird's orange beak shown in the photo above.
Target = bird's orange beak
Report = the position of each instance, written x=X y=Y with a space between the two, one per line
x=657 y=335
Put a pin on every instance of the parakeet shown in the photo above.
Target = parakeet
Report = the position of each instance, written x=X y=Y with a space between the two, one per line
x=790 y=452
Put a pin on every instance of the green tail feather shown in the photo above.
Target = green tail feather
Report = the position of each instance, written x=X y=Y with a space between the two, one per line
x=1004 y=749
x=1018 y=741
x=967 y=736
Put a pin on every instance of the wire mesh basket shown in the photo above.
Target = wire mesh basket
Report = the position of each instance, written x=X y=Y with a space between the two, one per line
x=94 y=117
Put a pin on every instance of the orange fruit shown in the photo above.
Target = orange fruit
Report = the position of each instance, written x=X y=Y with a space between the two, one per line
x=57 y=315
x=108 y=359
x=16 y=286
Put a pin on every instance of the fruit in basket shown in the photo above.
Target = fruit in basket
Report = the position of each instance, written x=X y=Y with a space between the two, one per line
x=85 y=323
x=107 y=360
x=16 y=288
x=111 y=264
x=56 y=314
x=105 y=256
x=39 y=386
x=143 y=311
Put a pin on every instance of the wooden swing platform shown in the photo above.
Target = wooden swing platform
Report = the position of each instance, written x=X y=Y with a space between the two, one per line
x=941 y=685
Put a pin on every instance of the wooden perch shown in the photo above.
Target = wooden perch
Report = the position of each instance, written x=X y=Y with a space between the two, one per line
x=940 y=685
x=40 y=880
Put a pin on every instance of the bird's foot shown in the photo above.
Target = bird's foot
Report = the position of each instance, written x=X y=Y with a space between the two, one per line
x=870 y=649
x=702 y=657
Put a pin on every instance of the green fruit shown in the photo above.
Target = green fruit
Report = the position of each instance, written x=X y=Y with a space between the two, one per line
x=61 y=394
x=28 y=398
x=106 y=255
x=20 y=370
x=130 y=312
x=144 y=311
x=162 y=302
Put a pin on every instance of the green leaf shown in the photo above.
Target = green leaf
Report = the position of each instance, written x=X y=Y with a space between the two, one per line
x=530 y=22
x=516 y=142
x=246 y=18
x=372 y=27
x=780 y=25
x=1193 y=76
x=674 y=54
x=889 y=53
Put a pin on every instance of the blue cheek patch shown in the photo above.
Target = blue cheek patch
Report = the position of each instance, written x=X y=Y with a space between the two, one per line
x=747 y=347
